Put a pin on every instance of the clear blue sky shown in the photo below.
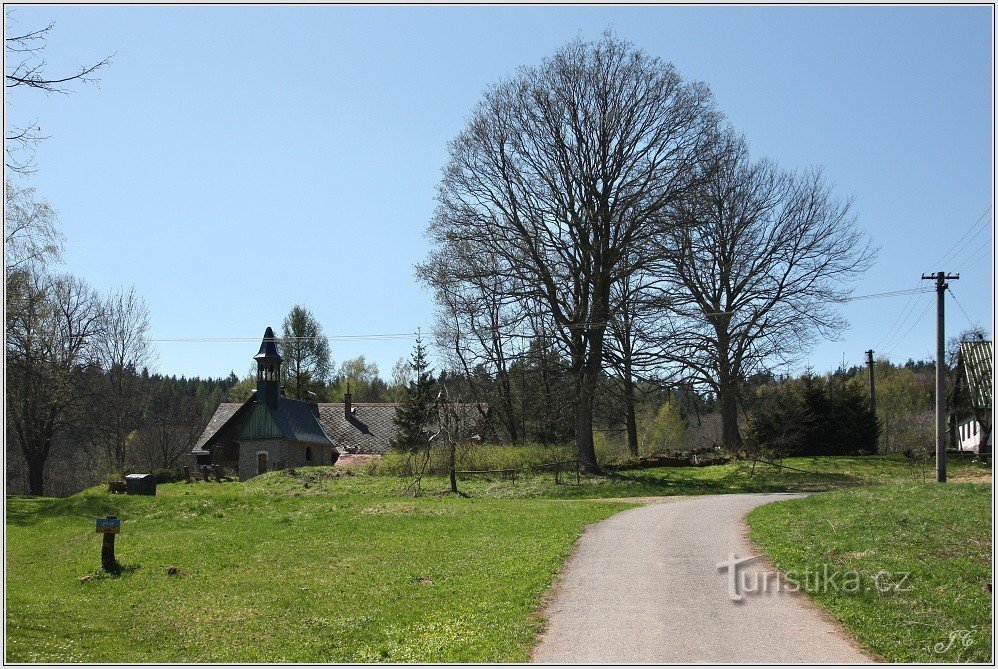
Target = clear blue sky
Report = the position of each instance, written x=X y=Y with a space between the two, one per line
x=237 y=160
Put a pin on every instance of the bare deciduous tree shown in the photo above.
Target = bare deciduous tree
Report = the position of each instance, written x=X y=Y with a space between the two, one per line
x=761 y=257
x=51 y=338
x=478 y=315
x=25 y=68
x=172 y=423
x=122 y=350
x=563 y=176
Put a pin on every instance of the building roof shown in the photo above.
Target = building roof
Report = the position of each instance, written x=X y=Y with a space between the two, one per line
x=291 y=419
x=299 y=421
x=370 y=428
x=977 y=371
x=222 y=415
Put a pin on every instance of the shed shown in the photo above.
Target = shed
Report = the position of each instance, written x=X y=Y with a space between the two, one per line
x=140 y=484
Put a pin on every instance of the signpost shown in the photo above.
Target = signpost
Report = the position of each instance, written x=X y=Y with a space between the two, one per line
x=109 y=527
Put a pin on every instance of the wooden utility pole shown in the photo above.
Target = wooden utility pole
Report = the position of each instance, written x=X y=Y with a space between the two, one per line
x=941 y=278
x=873 y=385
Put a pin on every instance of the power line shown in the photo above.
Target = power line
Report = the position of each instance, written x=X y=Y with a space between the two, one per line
x=410 y=335
x=901 y=339
x=957 y=251
x=947 y=254
x=892 y=293
x=978 y=255
x=226 y=340
x=890 y=335
x=969 y=320
x=900 y=321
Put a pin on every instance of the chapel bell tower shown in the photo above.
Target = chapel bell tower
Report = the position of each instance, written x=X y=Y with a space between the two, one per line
x=268 y=370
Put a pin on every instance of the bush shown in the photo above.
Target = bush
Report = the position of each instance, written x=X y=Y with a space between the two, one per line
x=168 y=475
x=475 y=457
x=812 y=416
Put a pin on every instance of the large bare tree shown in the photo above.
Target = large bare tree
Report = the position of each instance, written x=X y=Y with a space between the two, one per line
x=50 y=346
x=760 y=258
x=563 y=173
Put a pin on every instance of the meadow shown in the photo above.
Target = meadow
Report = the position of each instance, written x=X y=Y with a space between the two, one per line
x=344 y=565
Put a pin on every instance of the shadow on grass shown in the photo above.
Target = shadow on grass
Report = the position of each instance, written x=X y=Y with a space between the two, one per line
x=102 y=574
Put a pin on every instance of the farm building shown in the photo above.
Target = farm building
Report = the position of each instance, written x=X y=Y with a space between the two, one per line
x=971 y=415
x=271 y=431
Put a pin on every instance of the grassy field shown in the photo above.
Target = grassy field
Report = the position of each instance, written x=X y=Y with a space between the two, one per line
x=329 y=565
x=355 y=575
x=940 y=534
x=808 y=474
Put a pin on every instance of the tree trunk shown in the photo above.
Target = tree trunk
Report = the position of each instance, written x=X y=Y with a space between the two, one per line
x=728 y=398
x=584 y=445
x=585 y=393
x=506 y=399
x=36 y=476
x=630 y=412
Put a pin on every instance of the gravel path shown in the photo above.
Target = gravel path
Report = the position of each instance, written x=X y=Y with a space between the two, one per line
x=644 y=587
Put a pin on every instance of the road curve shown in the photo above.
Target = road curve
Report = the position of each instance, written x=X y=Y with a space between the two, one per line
x=644 y=587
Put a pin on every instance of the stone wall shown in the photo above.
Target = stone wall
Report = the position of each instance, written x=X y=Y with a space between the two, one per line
x=281 y=454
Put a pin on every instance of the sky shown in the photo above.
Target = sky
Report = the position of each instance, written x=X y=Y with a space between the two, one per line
x=236 y=160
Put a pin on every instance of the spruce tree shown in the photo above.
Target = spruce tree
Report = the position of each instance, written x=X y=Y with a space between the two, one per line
x=415 y=411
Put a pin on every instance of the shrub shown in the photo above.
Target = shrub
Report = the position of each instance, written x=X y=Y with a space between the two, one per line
x=476 y=457
x=168 y=475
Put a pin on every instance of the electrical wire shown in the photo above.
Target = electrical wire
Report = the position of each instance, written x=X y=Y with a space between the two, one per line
x=970 y=322
x=946 y=256
x=893 y=293
x=901 y=339
x=978 y=255
x=890 y=335
x=900 y=321
x=410 y=335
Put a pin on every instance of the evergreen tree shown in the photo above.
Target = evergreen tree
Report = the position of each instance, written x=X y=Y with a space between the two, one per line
x=416 y=410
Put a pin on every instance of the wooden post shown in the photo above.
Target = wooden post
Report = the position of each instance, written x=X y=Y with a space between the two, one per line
x=109 y=527
x=187 y=473
x=107 y=560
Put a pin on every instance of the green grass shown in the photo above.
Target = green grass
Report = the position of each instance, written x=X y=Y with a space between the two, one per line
x=334 y=566
x=940 y=534
x=272 y=572
x=808 y=474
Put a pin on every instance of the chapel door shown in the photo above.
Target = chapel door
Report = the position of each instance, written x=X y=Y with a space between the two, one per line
x=261 y=463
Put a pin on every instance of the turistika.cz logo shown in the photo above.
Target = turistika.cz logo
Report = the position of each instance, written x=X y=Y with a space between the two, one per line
x=742 y=582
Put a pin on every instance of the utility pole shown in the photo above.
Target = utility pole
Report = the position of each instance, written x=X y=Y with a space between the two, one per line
x=941 y=278
x=873 y=385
